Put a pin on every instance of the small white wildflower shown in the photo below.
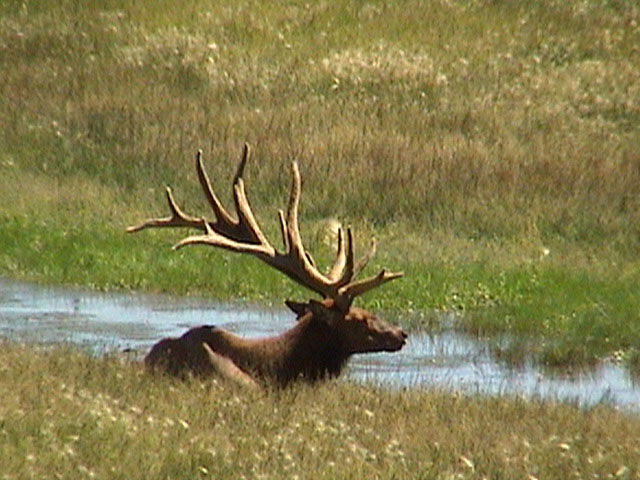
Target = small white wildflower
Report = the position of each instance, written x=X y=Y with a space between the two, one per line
x=466 y=462
x=183 y=423
x=441 y=79
x=623 y=471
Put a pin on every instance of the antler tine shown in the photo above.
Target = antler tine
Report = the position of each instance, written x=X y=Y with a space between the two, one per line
x=341 y=259
x=219 y=211
x=240 y=229
x=246 y=219
x=295 y=249
x=342 y=271
x=243 y=161
x=283 y=230
x=302 y=267
x=177 y=219
x=353 y=289
x=245 y=214
x=364 y=260
x=215 y=239
x=293 y=230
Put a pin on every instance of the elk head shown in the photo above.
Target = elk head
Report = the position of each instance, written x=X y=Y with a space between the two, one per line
x=360 y=331
x=344 y=328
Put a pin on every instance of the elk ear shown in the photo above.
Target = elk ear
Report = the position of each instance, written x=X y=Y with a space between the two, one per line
x=299 y=308
x=319 y=310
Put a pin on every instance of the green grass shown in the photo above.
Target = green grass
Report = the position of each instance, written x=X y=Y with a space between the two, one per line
x=471 y=138
x=65 y=414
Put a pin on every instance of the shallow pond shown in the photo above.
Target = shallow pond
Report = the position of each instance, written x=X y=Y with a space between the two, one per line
x=106 y=322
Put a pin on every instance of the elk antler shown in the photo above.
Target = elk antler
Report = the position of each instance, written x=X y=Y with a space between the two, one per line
x=245 y=236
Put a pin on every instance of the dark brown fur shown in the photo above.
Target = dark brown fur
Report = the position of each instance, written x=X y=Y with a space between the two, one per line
x=317 y=347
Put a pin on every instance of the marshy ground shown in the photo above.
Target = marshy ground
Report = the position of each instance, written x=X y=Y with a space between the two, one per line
x=117 y=323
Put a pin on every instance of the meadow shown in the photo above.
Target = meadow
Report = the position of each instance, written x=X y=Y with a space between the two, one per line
x=491 y=147
x=65 y=414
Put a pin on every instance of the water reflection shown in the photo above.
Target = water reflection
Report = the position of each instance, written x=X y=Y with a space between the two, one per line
x=106 y=322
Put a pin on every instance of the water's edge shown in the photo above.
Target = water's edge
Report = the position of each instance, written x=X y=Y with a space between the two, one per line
x=107 y=322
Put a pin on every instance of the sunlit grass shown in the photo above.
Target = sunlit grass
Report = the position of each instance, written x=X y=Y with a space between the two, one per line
x=67 y=415
x=488 y=121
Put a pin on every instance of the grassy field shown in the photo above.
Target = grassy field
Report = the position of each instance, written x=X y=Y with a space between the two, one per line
x=68 y=415
x=493 y=148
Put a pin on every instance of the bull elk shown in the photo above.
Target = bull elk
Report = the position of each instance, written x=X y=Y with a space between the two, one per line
x=327 y=332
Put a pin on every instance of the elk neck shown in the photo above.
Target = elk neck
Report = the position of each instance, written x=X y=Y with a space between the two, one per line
x=310 y=351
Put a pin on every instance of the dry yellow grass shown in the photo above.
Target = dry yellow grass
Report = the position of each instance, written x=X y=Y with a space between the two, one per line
x=67 y=415
x=487 y=120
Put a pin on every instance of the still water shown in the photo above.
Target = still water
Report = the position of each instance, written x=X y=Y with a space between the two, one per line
x=107 y=322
